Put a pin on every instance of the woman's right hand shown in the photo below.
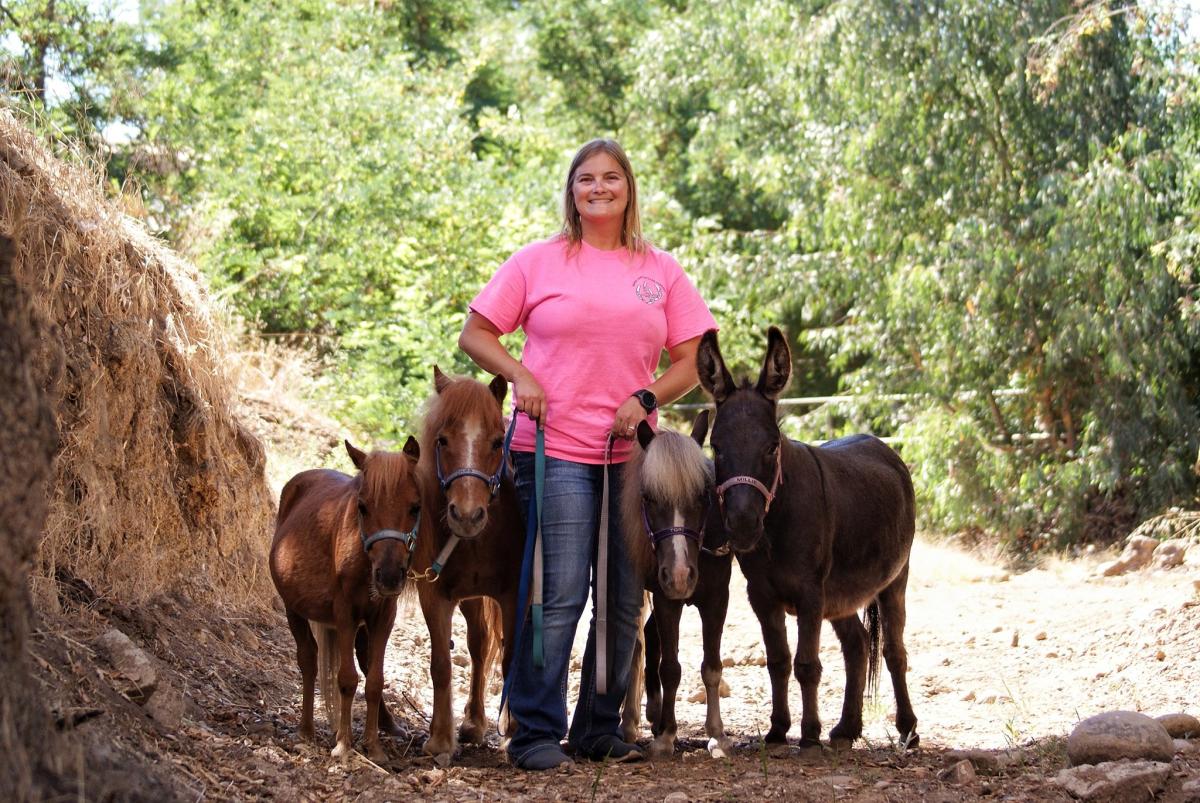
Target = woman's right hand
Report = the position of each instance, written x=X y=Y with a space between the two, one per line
x=531 y=399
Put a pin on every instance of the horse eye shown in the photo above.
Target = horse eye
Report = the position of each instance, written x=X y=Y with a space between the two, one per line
x=415 y=510
x=362 y=508
x=441 y=440
x=497 y=444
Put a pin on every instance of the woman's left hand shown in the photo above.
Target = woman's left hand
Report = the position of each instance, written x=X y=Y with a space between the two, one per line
x=628 y=416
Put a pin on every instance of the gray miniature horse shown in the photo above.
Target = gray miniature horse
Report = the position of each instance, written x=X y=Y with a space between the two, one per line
x=666 y=497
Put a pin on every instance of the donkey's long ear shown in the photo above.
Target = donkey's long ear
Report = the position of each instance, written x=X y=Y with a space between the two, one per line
x=777 y=367
x=710 y=365
x=440 y=380
x=356 y=455
x=700 y=428
x=412 y=449
x=499 y=389
x=645 y=434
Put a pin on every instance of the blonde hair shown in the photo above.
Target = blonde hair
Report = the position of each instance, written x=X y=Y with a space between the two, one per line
x=631 y=226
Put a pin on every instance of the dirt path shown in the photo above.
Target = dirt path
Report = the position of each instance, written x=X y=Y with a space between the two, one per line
x=996 y=661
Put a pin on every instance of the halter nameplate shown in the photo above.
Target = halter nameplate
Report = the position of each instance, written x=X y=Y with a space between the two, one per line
x=745 y=479
x=660 y=535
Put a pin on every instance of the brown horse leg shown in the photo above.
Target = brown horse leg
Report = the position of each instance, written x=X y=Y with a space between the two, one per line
x=387 y=725
x=712 y=623
x=473 y=729
x=892 y=615
x=347 y=683
x=631 y=708
x=378 y=629
x=853 y=636
x=651 y=680
x=667 y=613
x=306 y=657
x=438 y=612
x=808 y=665
x=770 y=618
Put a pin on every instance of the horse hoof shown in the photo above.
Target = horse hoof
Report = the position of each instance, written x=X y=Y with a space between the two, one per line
x=630 y=733
x=662 y=750
x=911 y=742
x=342 y=751
x=442 y=759
x=470 y=733
x=776 y=737
x=840 y=744
x=377 y=755
x=720 y=748
x=394 y=730
x=436 y=746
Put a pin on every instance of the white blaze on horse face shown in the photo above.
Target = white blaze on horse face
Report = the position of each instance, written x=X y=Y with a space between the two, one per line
x=678 y=572
x=472 y=433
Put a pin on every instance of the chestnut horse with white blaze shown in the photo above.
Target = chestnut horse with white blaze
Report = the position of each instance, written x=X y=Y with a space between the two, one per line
x=339 y=560
x=472 y=559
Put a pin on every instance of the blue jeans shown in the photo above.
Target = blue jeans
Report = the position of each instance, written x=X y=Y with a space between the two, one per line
x=570 y=519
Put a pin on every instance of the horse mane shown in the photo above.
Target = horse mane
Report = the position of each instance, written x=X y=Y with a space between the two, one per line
x=460 y=398
x=674 y=470
x=383 y=473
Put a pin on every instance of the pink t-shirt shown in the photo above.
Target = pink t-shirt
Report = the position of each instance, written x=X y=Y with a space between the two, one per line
x=596 y=323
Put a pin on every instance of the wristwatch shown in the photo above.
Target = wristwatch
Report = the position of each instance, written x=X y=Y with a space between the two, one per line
x=647 y=398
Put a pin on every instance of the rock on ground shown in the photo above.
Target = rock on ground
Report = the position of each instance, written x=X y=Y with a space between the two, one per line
x=1181 y=726
x=1115 y=781
x=1114 y=735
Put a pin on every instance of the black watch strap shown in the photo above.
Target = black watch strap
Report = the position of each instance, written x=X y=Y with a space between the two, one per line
x=647 y=399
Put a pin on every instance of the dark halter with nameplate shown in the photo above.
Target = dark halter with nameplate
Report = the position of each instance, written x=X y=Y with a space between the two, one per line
x=745 y=479
x=491 y=480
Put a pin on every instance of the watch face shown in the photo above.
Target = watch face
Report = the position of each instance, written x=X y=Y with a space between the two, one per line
x=648 y=399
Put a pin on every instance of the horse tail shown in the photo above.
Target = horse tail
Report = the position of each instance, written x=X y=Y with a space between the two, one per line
x=871 y=616
x=327 y=669
x=493 y=624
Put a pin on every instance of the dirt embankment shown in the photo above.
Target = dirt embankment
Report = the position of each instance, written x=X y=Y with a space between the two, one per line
x=123 y=463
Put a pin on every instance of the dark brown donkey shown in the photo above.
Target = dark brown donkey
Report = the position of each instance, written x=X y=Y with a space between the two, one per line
x=821 y=531
x=339 y=560
x=471 y=499
x=668 y=486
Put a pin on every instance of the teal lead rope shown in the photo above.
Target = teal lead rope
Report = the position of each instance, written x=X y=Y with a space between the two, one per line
x=531 y=572
x=535 y=607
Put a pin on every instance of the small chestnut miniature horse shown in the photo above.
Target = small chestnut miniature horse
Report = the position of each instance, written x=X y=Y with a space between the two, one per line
x=665 y=512
x=821 y=531
x=339 y=560
x=470 y=498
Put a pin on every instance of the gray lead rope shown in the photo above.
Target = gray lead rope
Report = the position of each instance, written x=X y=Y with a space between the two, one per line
x=602 y=581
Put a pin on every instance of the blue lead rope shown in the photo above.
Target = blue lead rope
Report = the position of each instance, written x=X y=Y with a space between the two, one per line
x=539 y=487
x=531 y=569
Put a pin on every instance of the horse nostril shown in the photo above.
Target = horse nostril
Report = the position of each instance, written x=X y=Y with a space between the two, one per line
x=477 y=518
x=453 y=511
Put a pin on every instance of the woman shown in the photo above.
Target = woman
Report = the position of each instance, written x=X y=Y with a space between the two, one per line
x=598 y=306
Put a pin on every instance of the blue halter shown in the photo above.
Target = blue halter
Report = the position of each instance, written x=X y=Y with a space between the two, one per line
x=491 y=480
x=409 y=538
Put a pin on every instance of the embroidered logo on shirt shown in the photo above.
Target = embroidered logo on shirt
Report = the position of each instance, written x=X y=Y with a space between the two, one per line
x=648 y=290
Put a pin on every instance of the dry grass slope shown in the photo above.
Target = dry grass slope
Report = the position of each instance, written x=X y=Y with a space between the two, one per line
x=157 y=485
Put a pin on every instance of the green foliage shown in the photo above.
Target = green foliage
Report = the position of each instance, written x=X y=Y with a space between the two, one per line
x=68 y=61
x=990 y=207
